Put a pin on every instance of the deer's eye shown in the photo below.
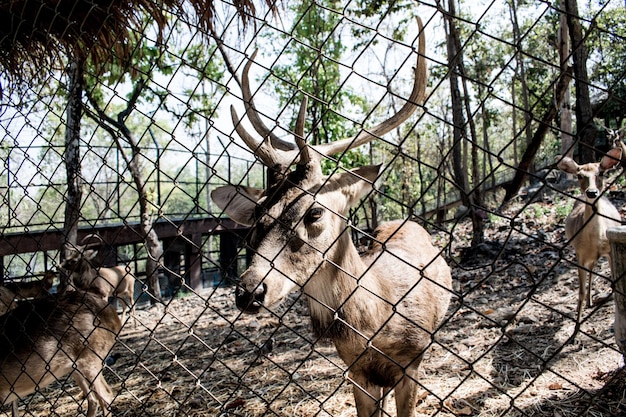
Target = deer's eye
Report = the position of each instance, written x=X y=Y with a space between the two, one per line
x=313 y=215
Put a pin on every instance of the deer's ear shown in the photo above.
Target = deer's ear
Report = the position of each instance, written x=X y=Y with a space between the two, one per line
x=568 y=165
x=357 y=183
x=611 y=159
x=238 y=202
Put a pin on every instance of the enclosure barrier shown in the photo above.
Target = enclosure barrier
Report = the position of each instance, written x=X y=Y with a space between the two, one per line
x=617 y=237
x=125 y=131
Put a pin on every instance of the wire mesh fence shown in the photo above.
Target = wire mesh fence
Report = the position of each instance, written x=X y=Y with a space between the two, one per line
x=130 y=155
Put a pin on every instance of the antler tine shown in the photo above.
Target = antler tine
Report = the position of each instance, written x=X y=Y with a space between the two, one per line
x=253 y=114
x=261 y=149
x=307 y=159
x=84 y=245
x=271 y=157
x=89 y=236
x=305 y=154
x=416 y=98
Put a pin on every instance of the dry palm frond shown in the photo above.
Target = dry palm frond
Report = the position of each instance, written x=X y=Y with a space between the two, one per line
x=36 y=32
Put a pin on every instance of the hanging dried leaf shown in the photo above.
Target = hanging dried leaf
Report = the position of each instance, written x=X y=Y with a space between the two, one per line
x=37 y=33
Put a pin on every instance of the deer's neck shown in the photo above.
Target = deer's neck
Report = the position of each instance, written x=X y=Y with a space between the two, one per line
x=600 y=211
x=341 y=296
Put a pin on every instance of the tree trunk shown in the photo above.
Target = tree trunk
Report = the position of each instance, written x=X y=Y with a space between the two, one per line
x=458 y=119
x=152 y=244
x=475 y=194
x=567 y=141
x=71 y=155
x=514 y=117
x=487 y=162
x=586 y=130
x=617 y=238
x=520 y=70
x=544 y=126
x=471 y=199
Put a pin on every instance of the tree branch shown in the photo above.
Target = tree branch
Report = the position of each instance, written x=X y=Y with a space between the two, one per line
x=521 y=173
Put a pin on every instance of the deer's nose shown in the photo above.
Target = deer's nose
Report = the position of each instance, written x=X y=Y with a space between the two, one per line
x=592 y=193
x=250 y=300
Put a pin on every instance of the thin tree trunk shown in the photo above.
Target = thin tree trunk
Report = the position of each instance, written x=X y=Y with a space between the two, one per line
x=74 y=195
x=544 y=126
x=152 y=244
x=471 y=199
x=586 y=130
x=567 y=141
x=514 y=117
x=487 y=153
x=458 y=120
x=521 y=73
x=475 y=195
x=420 y=174
x=151 y=240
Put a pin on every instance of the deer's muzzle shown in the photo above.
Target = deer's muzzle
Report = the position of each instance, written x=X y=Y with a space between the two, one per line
x=250 y=301
x=592 y=193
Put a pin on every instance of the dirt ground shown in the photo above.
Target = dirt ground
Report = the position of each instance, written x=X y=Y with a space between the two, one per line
x=501 y=352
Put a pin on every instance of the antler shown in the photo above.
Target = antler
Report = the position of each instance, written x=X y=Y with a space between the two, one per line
x=416 y=98
x=279 y=154
x=92 y=235
x=83 y=245
x=253 y=114
x=272 y=150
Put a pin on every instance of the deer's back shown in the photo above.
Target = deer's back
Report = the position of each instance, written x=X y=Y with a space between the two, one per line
x=53 y=333
x=108 y=279
x=417 y=278
x=584 y=224
x=126 y=285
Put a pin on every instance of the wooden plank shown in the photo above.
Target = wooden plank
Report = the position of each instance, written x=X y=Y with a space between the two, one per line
x=114 y=235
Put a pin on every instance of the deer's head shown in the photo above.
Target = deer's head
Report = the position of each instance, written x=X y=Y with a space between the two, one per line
x=298 y=224
x=591 y=176
x=78 y=257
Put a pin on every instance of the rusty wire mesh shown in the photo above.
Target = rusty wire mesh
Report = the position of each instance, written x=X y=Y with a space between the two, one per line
x=503 y=347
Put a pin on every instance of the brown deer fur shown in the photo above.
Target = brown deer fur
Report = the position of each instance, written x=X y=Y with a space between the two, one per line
x=117 y=281
x=380 y=309
x=586 y=225
x=46 y=339
x=22 y=290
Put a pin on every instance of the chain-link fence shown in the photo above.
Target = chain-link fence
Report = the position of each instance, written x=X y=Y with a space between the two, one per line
x=119 y=141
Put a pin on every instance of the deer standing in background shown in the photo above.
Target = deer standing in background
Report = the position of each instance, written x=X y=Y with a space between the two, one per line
x=585 y=226
x=380 y=309
x=117 y=281
x=46 y=339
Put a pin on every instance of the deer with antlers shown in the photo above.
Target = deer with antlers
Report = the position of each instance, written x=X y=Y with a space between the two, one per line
x=380 y=308
x=116 y=281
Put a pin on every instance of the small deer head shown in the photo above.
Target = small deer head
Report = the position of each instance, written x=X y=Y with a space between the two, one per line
x=78 y=257
x=299 y=226
x=591 y=176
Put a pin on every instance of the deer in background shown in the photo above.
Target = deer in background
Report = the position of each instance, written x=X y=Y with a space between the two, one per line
x=22 y=290
x=380 y=309
x=46 y=339
x=117 y=281
x=586 y=225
